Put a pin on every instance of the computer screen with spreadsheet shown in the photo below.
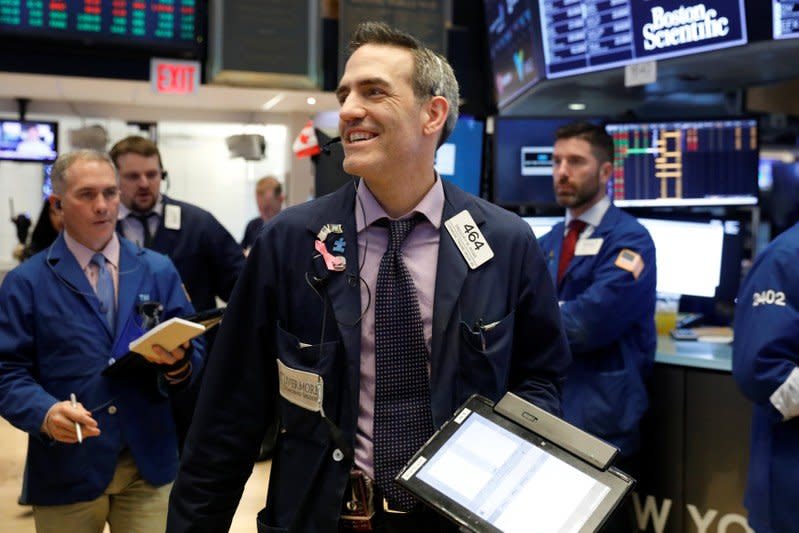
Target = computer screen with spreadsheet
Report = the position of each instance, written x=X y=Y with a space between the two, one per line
x=679 y=163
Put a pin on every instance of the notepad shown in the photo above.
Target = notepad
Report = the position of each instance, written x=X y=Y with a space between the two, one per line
x=169 y=335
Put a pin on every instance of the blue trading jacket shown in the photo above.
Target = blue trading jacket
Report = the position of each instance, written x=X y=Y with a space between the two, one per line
x=765 y=353
x=608 y=316
x=54 y=341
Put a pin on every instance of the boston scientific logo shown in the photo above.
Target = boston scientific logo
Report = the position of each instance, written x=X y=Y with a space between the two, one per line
x=688 y=24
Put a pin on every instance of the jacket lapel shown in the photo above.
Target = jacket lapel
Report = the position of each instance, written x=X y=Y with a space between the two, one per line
x=165 y=239
x=343 y=288
x=66 y=267
x=452 y=268
x=131 y=275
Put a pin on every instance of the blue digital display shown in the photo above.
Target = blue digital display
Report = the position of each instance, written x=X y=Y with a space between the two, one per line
x=587 y=35
x=460 y=159
x=28 y=140
x=523 y=160
x=511 y=46
x=786 y=18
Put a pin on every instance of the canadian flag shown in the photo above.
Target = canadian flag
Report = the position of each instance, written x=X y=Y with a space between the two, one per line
x=306 y=144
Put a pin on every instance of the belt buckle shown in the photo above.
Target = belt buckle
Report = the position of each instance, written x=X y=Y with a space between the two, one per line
x=358 y=512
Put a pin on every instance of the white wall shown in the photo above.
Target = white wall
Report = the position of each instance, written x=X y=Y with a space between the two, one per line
x=196 y=157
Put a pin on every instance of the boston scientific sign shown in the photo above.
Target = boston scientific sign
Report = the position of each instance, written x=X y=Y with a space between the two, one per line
x=684 y=25
x=587 y=35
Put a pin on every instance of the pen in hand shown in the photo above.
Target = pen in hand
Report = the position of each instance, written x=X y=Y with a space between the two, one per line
x=74 y=402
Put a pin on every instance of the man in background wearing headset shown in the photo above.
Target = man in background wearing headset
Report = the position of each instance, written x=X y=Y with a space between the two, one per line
x=365 y=338
x=205 y=253
x=64 y=315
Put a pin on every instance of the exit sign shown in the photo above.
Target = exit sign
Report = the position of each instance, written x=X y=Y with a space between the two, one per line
x=168 y=76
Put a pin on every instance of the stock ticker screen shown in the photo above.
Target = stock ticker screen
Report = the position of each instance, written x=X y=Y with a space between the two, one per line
x=587 y=35
x=170 y=24
x=702 y=162
x=786 y=19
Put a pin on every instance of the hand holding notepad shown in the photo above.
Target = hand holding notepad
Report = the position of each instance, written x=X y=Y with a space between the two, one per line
x=169 y=335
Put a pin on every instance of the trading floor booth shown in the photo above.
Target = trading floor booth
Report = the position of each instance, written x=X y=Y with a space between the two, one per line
x=701 y=215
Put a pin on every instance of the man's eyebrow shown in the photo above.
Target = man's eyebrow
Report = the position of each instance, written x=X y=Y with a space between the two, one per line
x=344 y=89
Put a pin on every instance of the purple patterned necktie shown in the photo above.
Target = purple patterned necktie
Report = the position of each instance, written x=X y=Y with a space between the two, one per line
x=403 y=420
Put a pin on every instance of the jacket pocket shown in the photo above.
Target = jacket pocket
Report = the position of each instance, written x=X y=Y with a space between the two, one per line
x=313 y=360
x=486 y=349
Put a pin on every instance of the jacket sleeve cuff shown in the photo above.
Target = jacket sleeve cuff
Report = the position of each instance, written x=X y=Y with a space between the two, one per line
x=786 y=398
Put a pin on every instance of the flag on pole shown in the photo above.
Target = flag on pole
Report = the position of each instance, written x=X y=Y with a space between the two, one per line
x=306 y=144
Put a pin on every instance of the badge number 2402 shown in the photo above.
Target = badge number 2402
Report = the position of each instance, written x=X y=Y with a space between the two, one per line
x=768 y=297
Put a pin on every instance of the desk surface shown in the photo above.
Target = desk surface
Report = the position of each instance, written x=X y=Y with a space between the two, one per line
x=713 y=356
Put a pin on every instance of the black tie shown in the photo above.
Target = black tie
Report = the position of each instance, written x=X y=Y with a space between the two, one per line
x=403 y=420
x=144 y=220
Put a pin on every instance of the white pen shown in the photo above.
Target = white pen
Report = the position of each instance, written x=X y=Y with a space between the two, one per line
x=74 y=402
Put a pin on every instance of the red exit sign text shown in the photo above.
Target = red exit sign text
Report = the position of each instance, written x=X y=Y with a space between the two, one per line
x=174 y=77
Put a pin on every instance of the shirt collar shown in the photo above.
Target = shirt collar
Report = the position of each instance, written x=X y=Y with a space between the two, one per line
x=594 y=215
x=370 y=210
x=84 y=255
x=158 y=209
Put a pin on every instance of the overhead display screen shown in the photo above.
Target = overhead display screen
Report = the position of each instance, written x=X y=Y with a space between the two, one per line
x=704 y=162
x=786 y=19
x=586 y=35
x=510 y=42
x=167 y=24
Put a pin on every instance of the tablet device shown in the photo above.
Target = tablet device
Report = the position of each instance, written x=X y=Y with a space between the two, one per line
x=487 y=469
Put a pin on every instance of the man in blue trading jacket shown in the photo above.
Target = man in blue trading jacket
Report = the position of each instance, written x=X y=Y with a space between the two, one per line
x=603 y=262
x=206 y=255
x=765 y=358
x=64 y=315
x=366 y=317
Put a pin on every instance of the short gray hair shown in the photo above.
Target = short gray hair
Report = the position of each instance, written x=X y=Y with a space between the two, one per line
x=58 y=175
x=432 y=73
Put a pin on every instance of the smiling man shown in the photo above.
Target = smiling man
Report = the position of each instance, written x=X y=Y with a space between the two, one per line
x=362 y=322
x=64 y=314
x=603 y=262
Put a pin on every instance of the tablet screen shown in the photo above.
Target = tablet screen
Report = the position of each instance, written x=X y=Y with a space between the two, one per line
x=509 y=482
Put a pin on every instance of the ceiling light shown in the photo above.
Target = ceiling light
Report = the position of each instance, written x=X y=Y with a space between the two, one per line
x=311 y=100
x=577 y=106
x=273 y=101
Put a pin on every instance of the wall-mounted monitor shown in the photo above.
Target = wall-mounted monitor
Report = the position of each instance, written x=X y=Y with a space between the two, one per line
x=147 y=24
x=785 y=16
x=28 y=140
x=460 y=158
x=697 y=162
x=523 y=160
x=511 y=43
x=778 y=178
x=688 y=255
x=585 y=36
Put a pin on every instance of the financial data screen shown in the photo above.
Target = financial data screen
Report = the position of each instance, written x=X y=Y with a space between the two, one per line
x=587 y=35
x=169 y=23
x=786 y=18
x=509 y=482
x=710 y=162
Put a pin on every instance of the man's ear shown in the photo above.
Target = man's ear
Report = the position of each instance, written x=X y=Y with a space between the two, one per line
x=436 y=113
x=605 y=171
